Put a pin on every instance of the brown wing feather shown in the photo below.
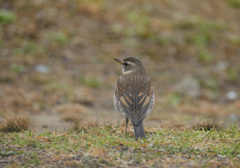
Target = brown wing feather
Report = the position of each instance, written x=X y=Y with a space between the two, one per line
x=143 y=99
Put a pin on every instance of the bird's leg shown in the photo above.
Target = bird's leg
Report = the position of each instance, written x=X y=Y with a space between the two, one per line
x=126 y=125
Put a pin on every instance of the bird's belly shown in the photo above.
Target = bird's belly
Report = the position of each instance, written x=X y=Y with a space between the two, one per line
x=118 y=106
x=151 y=104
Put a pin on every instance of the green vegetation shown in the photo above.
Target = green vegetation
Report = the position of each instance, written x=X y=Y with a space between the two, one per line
x=7 y=16
x=204 y=56
x=17 y=68
x=137 y=27
x=232 y=74
x=28 y=48
x=235 y=40
x=210 y=83
x=91 y=82
x=54 y=85
x=200 y=33
x=58 y=37
x=174 y=99
x=107 y=145
x=234 y=3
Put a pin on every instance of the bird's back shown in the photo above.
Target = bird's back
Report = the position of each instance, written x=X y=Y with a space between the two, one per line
x=134 y=84
x=135 y=95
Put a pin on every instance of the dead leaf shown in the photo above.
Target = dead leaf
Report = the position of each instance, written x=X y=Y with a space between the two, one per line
x=41 y=138
x=144 y=145
x=119 y=147
x=165 y=144
x=97 y=152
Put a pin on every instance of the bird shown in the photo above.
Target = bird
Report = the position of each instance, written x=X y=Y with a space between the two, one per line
x=133 y=96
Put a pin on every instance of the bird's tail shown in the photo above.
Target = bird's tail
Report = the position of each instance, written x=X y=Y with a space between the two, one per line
x=139 y=131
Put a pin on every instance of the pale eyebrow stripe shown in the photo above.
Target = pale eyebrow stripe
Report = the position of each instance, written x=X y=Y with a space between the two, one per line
x=131 y=63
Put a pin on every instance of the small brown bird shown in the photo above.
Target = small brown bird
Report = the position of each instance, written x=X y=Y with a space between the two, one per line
x=133 y=96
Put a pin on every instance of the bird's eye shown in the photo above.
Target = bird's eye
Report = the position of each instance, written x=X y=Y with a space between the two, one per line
x=126 y=64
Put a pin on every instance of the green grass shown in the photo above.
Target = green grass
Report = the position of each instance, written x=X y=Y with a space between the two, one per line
x=17 y=68
x=211 y=83
x=234 y=3
x=7 y=16
x=235 y=40
x=55 y=85
x=174 y=99
x=108 y=146
x=28 y=48
x=58 y=37
x=90 y=82
x=232 y=74
x=204 y=56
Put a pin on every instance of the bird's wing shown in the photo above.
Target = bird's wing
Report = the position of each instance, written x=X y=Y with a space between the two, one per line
x=136 y=104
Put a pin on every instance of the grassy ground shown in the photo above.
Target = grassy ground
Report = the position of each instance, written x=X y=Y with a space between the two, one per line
x=56 y=59
x=106 y=145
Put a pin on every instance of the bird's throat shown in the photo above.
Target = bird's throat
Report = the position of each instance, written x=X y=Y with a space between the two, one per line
x=128 y=72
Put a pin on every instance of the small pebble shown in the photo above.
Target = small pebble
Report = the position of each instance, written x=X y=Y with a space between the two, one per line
x=231 y=95
x=42 y=69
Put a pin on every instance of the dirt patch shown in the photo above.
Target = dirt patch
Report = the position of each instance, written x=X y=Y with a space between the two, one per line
x=51 y=121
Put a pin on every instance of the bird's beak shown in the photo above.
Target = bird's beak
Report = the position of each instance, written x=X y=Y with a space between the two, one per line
x=118 y=60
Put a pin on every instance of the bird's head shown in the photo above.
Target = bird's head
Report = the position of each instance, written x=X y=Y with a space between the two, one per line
x=131 y=64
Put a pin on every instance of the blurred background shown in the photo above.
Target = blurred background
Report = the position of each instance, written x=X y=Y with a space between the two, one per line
x=56 y=59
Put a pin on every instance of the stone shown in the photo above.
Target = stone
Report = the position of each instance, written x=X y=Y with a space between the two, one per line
x=41 y=69
x=231 y=95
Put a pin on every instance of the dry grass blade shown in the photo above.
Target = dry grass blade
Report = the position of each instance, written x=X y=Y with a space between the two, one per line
x=207 y=126
x=80 y=124
x=15 y=124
